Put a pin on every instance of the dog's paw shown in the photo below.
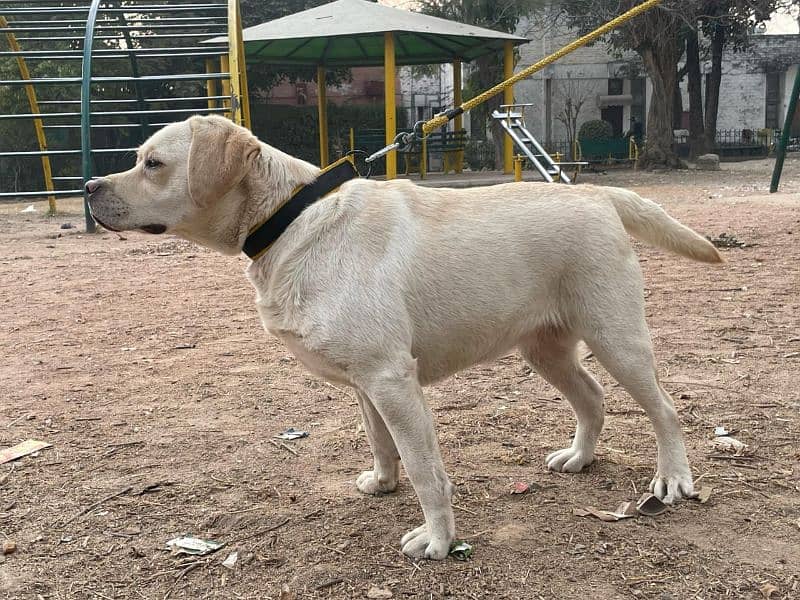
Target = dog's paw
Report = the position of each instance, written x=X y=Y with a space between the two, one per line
x=420 y=544
x=568 y=460
x=674 y=487
x=369 y=483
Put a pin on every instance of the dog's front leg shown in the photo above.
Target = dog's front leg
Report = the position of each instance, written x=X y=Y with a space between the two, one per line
x=397 y=397
x=384 y=475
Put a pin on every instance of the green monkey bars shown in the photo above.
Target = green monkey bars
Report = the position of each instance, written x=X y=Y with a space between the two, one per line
x=102 y=76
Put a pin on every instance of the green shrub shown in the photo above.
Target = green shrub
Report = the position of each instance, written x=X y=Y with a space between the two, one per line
x=596 y=130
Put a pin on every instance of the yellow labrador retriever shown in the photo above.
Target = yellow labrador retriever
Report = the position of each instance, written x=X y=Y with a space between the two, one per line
x=388 y=287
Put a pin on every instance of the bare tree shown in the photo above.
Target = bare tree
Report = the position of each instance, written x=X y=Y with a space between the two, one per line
x=572 y=94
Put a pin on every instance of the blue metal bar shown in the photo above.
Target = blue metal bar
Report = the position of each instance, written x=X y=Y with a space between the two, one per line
x=132 y=9
x=170 y=36
x=80 y=80
x=128 y=100
x=37 y=194
x=110 y=28
x=117 y=52
x=101 y=22
x=66 y=153
x=115 y=113
x=86 y=110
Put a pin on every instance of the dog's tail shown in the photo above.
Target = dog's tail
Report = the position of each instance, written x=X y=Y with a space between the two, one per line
x=647 y=221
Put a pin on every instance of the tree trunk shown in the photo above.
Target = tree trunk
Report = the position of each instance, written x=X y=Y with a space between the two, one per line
x=677 y=104
x=697 y=141
x=661 y=64
x=713 y=85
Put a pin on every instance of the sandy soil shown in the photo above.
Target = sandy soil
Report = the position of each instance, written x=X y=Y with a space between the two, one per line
x=142 y=361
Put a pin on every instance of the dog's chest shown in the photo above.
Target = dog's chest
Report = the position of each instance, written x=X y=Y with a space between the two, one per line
x=277 y=325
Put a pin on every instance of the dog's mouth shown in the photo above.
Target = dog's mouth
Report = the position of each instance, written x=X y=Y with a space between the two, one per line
x=103 y=225
x=155 y=229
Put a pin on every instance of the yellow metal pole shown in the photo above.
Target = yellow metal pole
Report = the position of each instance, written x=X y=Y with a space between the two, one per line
x=442 y=119
x=224 y=66
x=352 y=146
x=233 y=63
x=211 y=85
x=423 y=159
x=458 y=122
x=518 y=167
x=37 y=123
x=508 y=98
x=243 y=89
x=322 y=111
x=390 y=110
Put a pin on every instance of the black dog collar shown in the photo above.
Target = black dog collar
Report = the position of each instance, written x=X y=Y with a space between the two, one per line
x=262 y=237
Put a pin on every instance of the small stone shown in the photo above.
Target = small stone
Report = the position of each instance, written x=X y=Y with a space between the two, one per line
x=67 y=226
x=376 y=593
x=9 y=547
x=708 y=162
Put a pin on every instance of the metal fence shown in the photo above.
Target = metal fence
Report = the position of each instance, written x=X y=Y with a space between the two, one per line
x=736 y=141
x=99 y=78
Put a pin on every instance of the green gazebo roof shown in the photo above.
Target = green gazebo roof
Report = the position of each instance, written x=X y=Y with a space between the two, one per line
x=350 y=33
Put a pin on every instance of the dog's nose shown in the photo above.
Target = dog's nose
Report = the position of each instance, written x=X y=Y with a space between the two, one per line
x=92 y=185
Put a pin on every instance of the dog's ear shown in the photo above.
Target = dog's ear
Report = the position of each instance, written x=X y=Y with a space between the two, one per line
x=220 y=156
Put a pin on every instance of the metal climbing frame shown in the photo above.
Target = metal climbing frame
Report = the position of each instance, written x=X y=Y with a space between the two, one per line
x=101 y=77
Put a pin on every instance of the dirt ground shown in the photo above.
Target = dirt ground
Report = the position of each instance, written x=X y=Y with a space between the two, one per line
x=142 y=361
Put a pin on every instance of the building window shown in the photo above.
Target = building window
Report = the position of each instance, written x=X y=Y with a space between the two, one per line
x=615 y=86
x=772 y=109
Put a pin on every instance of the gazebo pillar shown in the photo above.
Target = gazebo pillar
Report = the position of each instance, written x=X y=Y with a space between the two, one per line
x=458 y=122
x=390 y=109
x=508 y=98
x=322 y=111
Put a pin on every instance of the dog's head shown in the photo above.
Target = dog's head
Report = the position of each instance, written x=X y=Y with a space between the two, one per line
x=190 y=179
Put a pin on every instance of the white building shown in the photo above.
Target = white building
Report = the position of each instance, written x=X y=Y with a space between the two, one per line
x=756 y=83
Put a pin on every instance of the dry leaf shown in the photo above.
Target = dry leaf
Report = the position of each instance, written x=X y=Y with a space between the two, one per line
x=650 y=506
x=704 y=494
x=767 y=590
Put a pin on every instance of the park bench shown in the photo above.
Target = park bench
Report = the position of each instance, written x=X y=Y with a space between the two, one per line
x=449 y=144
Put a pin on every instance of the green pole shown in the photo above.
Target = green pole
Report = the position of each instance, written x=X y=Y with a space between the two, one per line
x=784 y=143
x=86 y=109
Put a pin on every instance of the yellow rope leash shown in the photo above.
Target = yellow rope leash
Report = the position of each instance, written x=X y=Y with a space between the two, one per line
x=443 y=118
x=423 y=129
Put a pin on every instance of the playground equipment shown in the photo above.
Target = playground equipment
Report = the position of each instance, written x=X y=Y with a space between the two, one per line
x=785 y=135
x=101 y=77
x=422 y=129
x=513 y=123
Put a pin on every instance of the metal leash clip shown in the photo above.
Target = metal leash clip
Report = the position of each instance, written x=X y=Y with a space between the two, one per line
x=401 y=141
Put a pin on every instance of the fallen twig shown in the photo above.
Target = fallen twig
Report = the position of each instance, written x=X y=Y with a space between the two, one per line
x=96 y=504
x=19 y=418
x=466 y=510
x=5 y=477
x=697 y=383
x=330 y=583
x=261 y=531
x=284 y=446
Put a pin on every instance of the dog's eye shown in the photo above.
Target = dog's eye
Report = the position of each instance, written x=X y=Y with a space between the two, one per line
x=152 y=163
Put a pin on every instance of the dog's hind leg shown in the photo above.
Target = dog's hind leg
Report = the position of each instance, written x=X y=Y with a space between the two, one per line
x=617 y=333
x=554 y=356
x=395 y=392
x=386 y=472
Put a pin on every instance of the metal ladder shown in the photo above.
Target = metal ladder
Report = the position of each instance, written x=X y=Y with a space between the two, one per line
x=513 y=123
